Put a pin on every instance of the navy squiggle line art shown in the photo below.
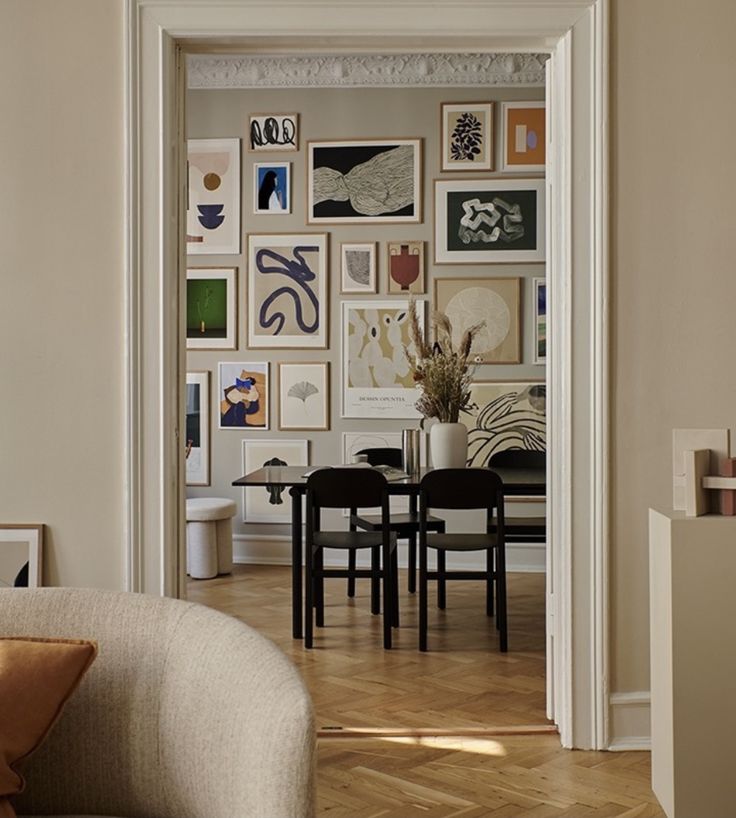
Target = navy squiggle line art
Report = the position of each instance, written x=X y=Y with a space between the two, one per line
x=299 y=272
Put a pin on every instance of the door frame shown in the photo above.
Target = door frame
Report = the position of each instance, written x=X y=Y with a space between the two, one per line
x=575 y=35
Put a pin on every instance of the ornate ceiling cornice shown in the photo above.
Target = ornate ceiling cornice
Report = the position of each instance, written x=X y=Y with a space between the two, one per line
x=352 y=71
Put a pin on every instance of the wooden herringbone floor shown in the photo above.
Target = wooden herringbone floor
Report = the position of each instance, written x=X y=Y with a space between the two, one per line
x=462 y=684
x=499 y=777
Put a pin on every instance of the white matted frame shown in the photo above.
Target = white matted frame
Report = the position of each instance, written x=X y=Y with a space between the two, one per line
x=358 y=260
x=575 y=34
x=272 y=188
x=198 y=409
x=304 y=396
x=21 y=547
x=270 y=504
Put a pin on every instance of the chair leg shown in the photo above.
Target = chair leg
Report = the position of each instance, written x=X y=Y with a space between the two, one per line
x=308 y=595
x=376 y=580
x=387 y=575
x=441 y=583
x=351 y=567
x=489 y=582
x=501 y=588
x=422 y=597
x=395 y=587
x=412 y=584
x=320 y=588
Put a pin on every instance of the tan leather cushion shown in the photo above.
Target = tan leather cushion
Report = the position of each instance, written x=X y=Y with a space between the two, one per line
x=37 y=676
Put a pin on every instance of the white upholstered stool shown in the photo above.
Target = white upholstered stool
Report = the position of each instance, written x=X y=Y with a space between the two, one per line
x=209 y=536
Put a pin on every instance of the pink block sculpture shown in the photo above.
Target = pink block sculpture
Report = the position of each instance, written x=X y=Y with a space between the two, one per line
x=728 y=496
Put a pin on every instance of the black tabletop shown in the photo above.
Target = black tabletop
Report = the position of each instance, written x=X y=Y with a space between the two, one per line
x=516 y=481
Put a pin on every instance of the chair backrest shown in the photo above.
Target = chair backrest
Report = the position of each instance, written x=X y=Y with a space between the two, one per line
x=346 y=488
x=384 y=456
x=518 y=459
x=461 y=489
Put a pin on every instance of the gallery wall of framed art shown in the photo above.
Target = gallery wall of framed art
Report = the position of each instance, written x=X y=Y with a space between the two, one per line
x=298 y=319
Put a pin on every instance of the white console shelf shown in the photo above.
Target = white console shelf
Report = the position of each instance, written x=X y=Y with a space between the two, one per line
x=692 y=581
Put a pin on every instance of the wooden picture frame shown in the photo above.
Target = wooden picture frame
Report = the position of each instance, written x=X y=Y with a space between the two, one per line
x=540 y=321
x=405 y=267
x=211 y=308
x=304 y=396
x=369 y=327
x=394 y=163
x=508 y=414
x=243 y=395
x=197 y=440
x=288 y=293
x=273 y=132
x=213 y=197
x=270 y=504
x=523 y=140
x=467 y=142
x=358 y=267
x=272 y=188
x=487 y=221
x=21 y=553
x=495 y=301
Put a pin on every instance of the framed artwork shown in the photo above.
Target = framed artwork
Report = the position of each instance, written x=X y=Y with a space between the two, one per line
x=213 y=203
x=376 y=380
x=21 y=548
x=364 y=181
x=540 y=321
x=467 y=136
x=524 y=140
x=211 y=308
x=243 y=395
x=270 y=504
x=198 y=429
x=287 y=290
x=488 y=220
x=406 y=267
x=273 y=132
x=468 y=301
x=304 y=396
x=358 y=268
x=272 y=188
x=507 y=415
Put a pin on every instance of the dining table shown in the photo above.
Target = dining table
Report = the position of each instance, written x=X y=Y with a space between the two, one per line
x=517 y=483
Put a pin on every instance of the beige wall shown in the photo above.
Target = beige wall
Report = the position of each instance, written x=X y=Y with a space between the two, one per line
x=674 y=281
x=674 y=275
x=338 y=113
x=61 y=268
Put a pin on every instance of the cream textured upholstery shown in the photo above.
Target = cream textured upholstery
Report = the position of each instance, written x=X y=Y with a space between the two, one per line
x=186 y=713
x=209 y=536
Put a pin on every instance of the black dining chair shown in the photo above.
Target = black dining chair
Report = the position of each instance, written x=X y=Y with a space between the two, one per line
x=463 y=489
x=522 y=529
x=405 y=526
x=341 y=488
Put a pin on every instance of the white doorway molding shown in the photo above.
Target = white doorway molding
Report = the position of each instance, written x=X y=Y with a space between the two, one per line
x=574 y=34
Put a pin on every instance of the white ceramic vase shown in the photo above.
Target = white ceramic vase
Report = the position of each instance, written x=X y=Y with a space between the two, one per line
x=448 y=444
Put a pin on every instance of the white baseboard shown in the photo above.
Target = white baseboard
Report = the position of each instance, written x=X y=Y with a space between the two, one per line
x=275 y=549
x=630 y=727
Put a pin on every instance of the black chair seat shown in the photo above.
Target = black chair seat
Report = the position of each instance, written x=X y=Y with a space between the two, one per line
x=351 y=539
x=405 y=525
x=461 y=542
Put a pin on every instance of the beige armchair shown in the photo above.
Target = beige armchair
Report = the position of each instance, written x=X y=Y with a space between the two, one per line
x=186 y=713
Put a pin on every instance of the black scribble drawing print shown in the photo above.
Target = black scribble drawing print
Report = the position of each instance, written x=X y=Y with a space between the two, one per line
x=466 y=138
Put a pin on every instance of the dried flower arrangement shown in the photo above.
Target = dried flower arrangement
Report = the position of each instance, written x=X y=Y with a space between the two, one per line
x=441 y=371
